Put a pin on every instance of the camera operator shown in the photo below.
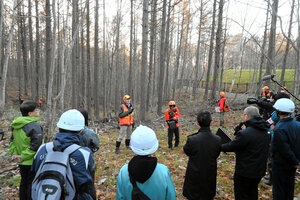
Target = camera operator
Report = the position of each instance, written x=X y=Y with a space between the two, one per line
x=265 y=105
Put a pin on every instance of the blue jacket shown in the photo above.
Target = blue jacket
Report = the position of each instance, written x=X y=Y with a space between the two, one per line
x=286 y=143
x=159 y=186
x=82 y=164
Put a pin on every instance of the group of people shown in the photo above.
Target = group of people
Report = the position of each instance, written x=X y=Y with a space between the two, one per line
x=144 y=177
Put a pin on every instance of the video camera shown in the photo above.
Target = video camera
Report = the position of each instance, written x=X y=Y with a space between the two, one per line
x=255 y=100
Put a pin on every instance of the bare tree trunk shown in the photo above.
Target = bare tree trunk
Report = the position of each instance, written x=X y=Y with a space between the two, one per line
x=32 y=55
x=197 y=67
x=96 y=62
x=218 y=50
x=129 y=91
x=271 y=48
x=210 y=54
x=50 y=109
x=144 y=59
x=151 y=59
x=162 y=59
x=22 y=30
x=88 y=59
x=287 y=47
x=37 y=48
x=167 y=54
x=117 y=75
x=104 y=67
x=1 y=34
x=262 y=56
x=74 y=54
x=178 y=56
x=297 y=80
x=6 y=58
x=48 y=43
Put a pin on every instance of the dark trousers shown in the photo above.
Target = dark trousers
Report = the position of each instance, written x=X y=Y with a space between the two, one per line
x=26 y=181
x=283 y=183
x=246 y=188
x=170 y=137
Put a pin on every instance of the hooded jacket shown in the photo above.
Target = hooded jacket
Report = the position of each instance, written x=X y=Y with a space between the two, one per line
x=286 y=143
x=152 y=178
x=251 y=146
x=81 y=161
x=27 y=136
x=203 y=149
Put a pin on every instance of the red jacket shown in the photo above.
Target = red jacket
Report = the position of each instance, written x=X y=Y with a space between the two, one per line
x=170 y=113
x=221 y=104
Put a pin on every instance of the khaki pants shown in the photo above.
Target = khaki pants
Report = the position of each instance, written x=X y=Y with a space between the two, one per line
x=124 y=129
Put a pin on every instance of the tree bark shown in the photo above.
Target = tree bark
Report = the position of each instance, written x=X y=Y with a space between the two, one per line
x=37 y=48
x=6 y=58
x=162 y=60
x=218 y=50
x=210 y=54
x=96 y=62
x=48 y=43
x=88 y=58
x=144 y=60
x=271 y=48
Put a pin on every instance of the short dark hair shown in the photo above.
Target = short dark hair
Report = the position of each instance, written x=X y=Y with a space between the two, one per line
x=85 y=115
x=204 y=119
x=28 y=106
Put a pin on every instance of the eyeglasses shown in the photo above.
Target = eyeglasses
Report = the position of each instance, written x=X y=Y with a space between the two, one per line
x=173 y=106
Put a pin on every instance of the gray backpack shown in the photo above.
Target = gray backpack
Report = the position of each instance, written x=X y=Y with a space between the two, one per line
x=54 y=178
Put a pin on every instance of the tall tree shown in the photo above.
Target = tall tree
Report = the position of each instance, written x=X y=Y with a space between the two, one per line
x=151 y=56
x=88 y=58
x=96 y=61
x=32 y=55
x=1 y=33
x=197 y=67
x=218 y=49
x=117 y=63
x=22 y=31
x=74 y=87
x=287 y=47
x=37 y=47
x=129 y=91
x=271 y=48
x=6 y=58
x=104 y=66
x=211 y=46
x=161 y=59
x=48 y=43
x=144 y=59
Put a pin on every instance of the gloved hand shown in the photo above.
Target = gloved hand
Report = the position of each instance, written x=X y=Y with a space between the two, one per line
x=238 y=128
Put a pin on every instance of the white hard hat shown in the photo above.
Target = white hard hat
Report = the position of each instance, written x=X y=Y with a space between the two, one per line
x=71 y=120
x=284 y=105
x=143 y=141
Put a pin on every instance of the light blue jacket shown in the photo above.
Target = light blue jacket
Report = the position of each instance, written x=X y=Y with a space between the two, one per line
x=158 y=187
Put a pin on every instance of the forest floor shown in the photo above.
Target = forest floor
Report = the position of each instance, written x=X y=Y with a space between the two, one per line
x=108 y=163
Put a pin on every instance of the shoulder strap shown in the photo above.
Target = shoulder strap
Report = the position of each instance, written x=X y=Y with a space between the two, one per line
x=72 y=148
x=49 y=146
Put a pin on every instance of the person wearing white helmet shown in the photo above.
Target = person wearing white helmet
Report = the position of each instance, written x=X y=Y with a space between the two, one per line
x=70 y=124
x=285 y=150
x=143 y=176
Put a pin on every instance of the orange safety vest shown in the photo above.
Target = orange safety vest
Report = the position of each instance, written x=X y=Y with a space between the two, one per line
x=175 y=114
x=128 y=120
x=264 y=94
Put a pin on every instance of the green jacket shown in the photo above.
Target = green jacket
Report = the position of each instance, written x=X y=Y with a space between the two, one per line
x=27 y=136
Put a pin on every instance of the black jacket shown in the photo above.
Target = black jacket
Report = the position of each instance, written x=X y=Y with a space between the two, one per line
x=251 y=146
x=203 y=149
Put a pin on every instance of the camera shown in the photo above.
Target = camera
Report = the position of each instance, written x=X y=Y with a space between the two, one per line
x=252 y=100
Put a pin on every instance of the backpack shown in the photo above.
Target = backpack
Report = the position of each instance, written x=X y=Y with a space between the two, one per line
x=54 y=178
x=225 y=107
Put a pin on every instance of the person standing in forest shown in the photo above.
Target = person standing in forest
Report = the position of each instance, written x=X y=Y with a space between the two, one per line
x=251 y=146
x=203 y=148
x=126 y=122
x=223 y=107
x=171 y=116
x=144 y=177
x=285 y=150
x=27 y=137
